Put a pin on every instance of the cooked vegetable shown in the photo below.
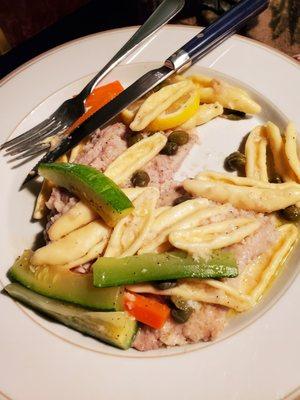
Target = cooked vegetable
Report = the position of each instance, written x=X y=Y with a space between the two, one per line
x=92 y=186
x=63 y=284
x=180 y=303
x=170 y=148
x=181 y=316
x=109 y=271
x=147 y=310
x=133 y=139
x=103 y=94
x=140 y=178
x=97 y=99
x=116 y=328
x=164 y=285
x=182 y=199
x=179 y=137
x=235 y=161
x=291 y=213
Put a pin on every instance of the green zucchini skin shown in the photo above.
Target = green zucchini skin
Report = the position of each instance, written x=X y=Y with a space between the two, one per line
x=65 y=285
x=92 y=186
x=110 y=271
x=116 y=328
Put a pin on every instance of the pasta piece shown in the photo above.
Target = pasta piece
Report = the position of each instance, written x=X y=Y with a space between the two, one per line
x=201 y=290
x=205 y=113
x=158 y=102
x=91 y=255
x=278 y=152
x=192 y=220
x=129 y=234
x=256 y=155
x=291 y=149
x=214 y=90
x=77 y=216
x=161 y=210
x=71 y=247
x=170 y=217
x=259 y=199
x=211 y=176
x=81 y=214
x=135 y=157
x=275 y=259
x=40 y=209
x=200 y=241
x=75 y=151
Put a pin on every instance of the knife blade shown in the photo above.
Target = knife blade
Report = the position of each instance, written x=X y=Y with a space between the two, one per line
x=105 y=114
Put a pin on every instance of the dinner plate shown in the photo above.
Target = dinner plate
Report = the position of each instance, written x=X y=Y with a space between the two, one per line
x=257 y=356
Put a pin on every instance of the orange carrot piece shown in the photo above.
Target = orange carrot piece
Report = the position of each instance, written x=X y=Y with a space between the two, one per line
x=98 y=98
x=103 y=94
x=147 y=310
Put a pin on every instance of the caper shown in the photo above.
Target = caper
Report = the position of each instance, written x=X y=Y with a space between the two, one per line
x=233 y=115
x=291 y=213
x=180 y=303
x=164 y=285
x=276 y=179
x=170 y=148
x=181 y=316
x=179 y=137
x=181 y=199
x=133 y=139
x=235 y=161
x=140 y=178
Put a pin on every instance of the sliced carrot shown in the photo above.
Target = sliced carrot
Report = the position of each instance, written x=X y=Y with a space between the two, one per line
x=103 y=94
x=98 y=98
x=147 y=310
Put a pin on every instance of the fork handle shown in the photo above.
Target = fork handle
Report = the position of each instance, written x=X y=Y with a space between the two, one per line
x=216 y=33
x=164 y=12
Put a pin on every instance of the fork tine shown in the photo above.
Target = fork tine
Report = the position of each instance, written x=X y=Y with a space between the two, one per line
x=28 y=134
x=18 y=148
x=31 y=152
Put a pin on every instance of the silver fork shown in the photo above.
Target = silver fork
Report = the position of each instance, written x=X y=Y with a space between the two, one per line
x=36 y=139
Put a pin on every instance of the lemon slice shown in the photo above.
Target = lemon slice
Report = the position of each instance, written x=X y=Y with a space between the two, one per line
x=179 y=112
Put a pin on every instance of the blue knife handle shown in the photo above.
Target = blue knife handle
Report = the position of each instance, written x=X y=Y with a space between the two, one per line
x=216 y=33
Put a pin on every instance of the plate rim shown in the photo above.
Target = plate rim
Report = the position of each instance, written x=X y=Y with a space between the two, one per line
x=53 y=50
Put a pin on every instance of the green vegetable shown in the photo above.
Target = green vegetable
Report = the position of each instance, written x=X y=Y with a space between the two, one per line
x=91 y=186
x=235 y=161
x=133 y=139
x=116 y=328
x=140 y=178
x=181 y=316
x=180 y=303
x=179 y=137
x=110 y=271
x=291 y=213
x=63 y=284
x=170 y=148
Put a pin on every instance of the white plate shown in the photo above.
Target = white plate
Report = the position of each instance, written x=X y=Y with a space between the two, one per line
x=258 y=355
